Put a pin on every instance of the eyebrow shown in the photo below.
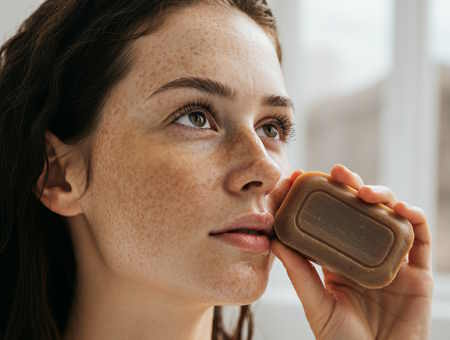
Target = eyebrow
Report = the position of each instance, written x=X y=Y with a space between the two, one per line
x=217 y=88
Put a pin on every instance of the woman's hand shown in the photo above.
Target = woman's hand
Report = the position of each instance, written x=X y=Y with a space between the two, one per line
x=343 y=309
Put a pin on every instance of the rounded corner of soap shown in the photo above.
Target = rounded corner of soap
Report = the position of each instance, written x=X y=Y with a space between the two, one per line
x=311 y=177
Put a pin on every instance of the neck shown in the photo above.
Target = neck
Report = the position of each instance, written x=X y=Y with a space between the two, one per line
x=108 y=310
x=107 y=306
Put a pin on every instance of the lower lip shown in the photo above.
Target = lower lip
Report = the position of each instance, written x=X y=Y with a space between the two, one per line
x=246 y=242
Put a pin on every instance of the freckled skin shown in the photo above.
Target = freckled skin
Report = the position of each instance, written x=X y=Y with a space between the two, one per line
x=157 y=190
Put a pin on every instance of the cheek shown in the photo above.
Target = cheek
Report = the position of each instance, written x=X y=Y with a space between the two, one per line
x=152 y=206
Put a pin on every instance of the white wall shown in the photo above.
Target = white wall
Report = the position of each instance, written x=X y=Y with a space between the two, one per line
x=279 y=310
x=12 y=13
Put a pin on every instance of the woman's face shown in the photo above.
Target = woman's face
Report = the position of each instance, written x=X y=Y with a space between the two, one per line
x=160 y=184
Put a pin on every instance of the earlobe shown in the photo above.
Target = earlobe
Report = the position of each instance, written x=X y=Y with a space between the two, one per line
x=59 y=194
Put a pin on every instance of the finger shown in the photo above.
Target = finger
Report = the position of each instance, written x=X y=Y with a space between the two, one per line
x=377 y=194
x=334 y=279
x=295 y=174
x=416 y=216
x=277 y=196
x=420 y=253
x=342 y=174
x=317 y=302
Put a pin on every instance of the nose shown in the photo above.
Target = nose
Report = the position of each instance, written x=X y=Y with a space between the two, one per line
x=255 y=170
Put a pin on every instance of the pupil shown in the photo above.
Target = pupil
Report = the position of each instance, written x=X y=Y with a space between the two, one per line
x=271 y=128
x=199 y=121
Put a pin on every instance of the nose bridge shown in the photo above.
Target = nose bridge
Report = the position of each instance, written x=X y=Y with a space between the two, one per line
x=253 y=167
x=246 y=143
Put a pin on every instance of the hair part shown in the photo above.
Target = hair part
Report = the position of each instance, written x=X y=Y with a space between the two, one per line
x=55 y=74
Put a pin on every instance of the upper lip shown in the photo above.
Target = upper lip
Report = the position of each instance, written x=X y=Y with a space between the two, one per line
x=253 y=221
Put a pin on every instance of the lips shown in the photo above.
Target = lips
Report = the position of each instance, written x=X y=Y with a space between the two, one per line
x=261 y=223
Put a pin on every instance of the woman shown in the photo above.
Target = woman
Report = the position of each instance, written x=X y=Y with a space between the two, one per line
x=131 y=131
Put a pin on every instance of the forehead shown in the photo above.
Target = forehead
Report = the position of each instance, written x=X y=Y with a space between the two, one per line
x=209 y=41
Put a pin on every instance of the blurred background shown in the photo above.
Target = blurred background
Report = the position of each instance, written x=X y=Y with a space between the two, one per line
x=371 y=83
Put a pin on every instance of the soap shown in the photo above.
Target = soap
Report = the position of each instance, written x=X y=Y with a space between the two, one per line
x=327 y=223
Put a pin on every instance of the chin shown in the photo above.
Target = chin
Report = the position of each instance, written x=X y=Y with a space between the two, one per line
x=242 y=284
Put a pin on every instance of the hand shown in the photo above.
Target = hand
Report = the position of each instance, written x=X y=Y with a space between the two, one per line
x=342 y=309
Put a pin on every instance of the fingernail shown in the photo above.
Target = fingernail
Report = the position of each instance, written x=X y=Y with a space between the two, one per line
x=343 y=166
x=295 y=174
x=406 y=205
x=376 y=189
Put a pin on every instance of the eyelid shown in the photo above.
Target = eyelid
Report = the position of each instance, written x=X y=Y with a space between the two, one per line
x=284 y=121
x=201 y=104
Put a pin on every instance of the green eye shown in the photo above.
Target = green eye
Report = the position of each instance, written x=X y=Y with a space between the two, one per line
x=271 y=131
x=196 y=114
x=197 y=119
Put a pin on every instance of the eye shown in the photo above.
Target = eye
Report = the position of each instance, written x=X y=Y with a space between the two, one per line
x=271 y=130
x=282 y=126
x=194 y=114
x=197 y=118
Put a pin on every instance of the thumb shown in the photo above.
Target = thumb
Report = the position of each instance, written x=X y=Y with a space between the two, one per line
x=318 y=303
x=280 y=191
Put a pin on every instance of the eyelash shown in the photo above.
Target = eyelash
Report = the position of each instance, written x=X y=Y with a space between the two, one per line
x=285 y=124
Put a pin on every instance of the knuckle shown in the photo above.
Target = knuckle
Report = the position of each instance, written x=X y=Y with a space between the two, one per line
x=382 y=188
x=358 y=176
x=420 y=211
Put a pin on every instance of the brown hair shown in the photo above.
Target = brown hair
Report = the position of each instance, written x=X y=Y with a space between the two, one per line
x=55 y=74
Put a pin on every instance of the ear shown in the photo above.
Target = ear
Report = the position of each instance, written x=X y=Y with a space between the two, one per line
x=64 y=184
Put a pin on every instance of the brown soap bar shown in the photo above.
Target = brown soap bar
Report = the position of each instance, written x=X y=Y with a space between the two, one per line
x=327 y=223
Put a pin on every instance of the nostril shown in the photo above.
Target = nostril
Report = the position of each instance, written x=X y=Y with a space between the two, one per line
x=247 y=186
